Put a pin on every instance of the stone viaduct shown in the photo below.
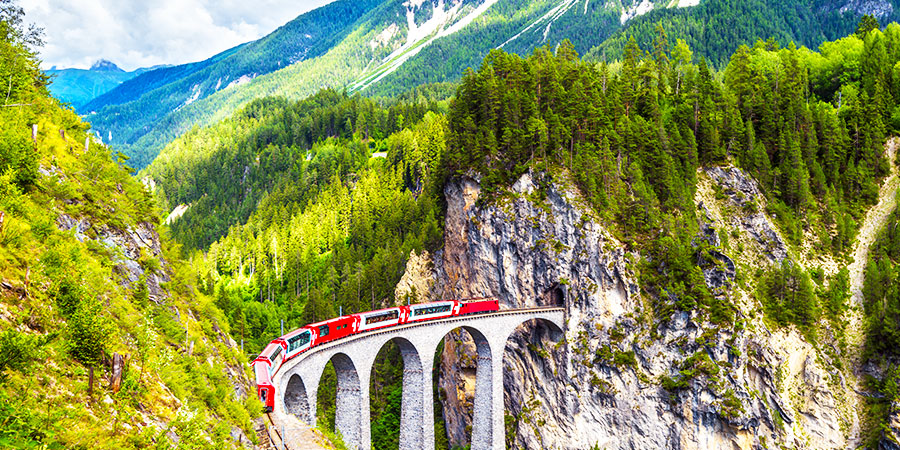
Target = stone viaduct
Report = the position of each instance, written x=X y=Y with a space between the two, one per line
x=297 y=381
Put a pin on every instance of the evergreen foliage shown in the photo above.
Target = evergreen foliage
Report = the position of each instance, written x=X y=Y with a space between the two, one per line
x=311 y=220
x=882 y=292
x=68 y=305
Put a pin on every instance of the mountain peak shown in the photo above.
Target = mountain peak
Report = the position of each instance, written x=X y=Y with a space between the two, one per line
x=103 y=65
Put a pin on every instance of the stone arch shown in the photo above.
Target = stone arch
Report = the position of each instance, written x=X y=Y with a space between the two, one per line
x=525 y=354
x=296 y=401
x=412 y=432
x=348 y=402
x=480 y=434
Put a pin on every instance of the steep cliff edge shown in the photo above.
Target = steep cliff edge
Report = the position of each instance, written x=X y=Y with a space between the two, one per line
x=623 y=379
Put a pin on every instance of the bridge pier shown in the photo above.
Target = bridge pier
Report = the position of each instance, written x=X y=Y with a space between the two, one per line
x=351 y=403
x=412 y=407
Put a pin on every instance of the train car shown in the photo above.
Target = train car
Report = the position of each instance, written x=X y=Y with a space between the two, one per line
x=264 y=366
x=382 y=318
x=333 y=329
x=479 y=306
x=264 y=388
x=297 y=341
x=433 y=310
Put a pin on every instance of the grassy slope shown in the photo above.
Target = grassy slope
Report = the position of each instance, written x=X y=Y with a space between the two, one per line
x=181 y=366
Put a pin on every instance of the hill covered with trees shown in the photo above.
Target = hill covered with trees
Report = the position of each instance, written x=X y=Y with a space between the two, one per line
x=370 y=46
x=104 y=341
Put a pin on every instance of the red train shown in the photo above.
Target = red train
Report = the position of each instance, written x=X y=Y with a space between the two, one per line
x=302 y=339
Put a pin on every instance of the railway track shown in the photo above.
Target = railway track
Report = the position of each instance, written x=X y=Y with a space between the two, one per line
x=269 y=436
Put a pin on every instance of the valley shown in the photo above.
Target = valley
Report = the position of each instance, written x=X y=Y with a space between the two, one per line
x=705 y=191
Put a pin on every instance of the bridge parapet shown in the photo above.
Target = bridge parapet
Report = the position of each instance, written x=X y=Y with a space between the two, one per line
x=353 y=358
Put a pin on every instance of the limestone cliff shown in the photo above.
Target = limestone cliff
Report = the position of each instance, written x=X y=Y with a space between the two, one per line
x=603 y=386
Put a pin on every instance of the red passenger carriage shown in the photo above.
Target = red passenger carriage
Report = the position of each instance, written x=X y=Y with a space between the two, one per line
x=298 y=341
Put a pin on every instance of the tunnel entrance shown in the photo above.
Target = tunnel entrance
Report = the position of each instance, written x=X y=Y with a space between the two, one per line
x=557 y=296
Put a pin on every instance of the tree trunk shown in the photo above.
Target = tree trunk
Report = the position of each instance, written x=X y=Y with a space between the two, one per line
x=91 y=382
x=118 y=365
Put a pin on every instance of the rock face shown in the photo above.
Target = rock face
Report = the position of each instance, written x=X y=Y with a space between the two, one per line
x=418 y=280
x=603 y=386
x=744 y=203
x=129 y=246
x=891 y=438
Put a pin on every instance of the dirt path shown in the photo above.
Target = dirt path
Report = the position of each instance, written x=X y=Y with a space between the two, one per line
x=874 y=221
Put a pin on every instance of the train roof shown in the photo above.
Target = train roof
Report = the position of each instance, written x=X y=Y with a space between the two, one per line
x=324 y=322
x=262 y=374
x=269 y=349
x=296 y=332
x=376 y=311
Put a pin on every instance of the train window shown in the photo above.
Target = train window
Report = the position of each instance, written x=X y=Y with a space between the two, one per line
x=263 y=393
x=275 y=354
x=389 y=315
x=323 y=330
x=298 y=341
x=431 y=310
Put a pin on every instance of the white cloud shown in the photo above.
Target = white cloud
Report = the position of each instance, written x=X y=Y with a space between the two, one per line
x=140 y=33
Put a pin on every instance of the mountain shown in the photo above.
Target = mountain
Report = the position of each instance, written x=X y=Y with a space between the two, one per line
x=100 y=321
x=79 y=86
x=148 y=103
x=715 y=28
x=103 y=65
x=388 y=46
x=369 y=47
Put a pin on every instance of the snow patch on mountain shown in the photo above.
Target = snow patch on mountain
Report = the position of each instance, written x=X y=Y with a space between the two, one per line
x=195 y=94
x=639 y=9
x=243 y=79
x=444 y=21
x=384 y=38
x=551 y=16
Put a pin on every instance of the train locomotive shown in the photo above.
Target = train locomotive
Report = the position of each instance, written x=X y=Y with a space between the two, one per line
x=292 y=344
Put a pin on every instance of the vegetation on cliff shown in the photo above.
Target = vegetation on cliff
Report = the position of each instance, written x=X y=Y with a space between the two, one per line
x=90 y=356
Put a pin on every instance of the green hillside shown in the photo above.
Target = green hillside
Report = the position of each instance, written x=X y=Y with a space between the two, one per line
x=151 y=100
x=104 y=341
x=716 y=28
x=368 y=49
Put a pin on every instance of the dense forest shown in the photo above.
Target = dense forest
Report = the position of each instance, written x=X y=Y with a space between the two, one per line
x=348 y=43
x=716 y=28
x=69 y=308
x=303 y=208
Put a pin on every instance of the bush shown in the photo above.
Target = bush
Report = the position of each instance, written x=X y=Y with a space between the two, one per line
x=18 y=351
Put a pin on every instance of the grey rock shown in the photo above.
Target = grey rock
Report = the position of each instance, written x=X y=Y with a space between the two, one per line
x=531 y=248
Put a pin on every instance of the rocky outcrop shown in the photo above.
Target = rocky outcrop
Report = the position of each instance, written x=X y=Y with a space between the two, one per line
x=877 y=8
x=744 y=208
x=890 y=440
x=618 y=380
x=417 y=282
x=131 y=248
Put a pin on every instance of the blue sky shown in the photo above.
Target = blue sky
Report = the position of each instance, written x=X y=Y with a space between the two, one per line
x=142 y=33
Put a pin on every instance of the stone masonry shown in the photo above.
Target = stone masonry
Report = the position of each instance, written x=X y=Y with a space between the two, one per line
x=353 y=357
